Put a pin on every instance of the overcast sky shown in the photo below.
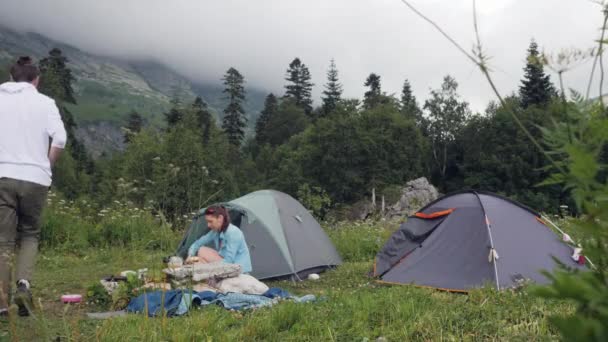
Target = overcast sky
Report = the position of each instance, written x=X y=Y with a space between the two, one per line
x=203 y=38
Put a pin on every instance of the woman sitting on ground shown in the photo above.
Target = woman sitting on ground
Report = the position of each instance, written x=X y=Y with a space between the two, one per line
x=229 y=244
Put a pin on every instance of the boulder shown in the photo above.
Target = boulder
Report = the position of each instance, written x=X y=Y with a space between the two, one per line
x=415 y=194
x=361 y=210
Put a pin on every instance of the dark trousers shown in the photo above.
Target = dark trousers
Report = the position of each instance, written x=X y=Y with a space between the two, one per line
x=21 y=205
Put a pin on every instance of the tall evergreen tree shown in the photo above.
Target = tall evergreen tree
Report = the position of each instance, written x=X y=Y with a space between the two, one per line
x=56 y=82
x=134 y=125
x=234 y=115
x=333 y=90
x=204 y=118
x=409 y=105
x=175 y=114
x=271 y=106
x=58 y=78
x=536 y=88
x=373 y=96
x=300 y=86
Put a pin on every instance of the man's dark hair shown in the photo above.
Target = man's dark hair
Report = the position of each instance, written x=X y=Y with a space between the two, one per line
x=24 y=70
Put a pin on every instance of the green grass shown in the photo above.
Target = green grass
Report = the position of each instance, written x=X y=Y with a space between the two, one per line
x=354 y=308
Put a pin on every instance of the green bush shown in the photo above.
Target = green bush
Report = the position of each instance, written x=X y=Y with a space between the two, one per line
x=98 y=296
x=314 y=199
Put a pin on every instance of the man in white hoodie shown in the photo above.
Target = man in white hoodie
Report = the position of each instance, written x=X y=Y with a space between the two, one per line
x=32 y=137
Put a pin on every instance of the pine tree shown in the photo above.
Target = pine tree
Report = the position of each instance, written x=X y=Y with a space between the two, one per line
x=68 y=122
x=234 y=115
x=373 y=96
x=333 y=90
x=204 y=118
x=300 y=87
x=409 y=105
x=271 y=106
x=134 y=125
x=536 y=88
x=175 y=114
x=58 y=78
x=56 y=82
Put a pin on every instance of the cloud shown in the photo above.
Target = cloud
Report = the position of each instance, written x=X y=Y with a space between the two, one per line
x=203 y=38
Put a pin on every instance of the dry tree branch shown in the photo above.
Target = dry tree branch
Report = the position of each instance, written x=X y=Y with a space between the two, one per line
x=564 y=103
x=211 y=197
x=601 y=53
x=440 y=30
x=598 y=54
x=481 y=61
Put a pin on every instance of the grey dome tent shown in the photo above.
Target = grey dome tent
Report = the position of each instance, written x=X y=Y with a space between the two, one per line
x=284 y=239
x=469 y=239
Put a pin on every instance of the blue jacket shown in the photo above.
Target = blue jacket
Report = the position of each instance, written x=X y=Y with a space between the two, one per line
x=233 y=247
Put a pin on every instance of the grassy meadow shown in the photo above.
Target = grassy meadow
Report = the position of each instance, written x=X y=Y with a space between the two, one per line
x=82 y=244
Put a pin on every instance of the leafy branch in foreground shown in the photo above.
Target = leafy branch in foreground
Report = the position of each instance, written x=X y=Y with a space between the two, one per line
x=583 y=157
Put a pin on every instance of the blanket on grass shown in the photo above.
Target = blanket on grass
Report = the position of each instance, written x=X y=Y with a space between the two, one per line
x=179 y=302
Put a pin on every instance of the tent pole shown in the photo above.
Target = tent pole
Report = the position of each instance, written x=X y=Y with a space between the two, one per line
x=563 y=233
x=493 y=250
x=487 y=221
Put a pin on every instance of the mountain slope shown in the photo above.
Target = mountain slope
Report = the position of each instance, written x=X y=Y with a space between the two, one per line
x=107 y=89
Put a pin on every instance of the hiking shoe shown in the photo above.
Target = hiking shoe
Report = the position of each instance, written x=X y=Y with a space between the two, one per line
x=23 y=298
x=3 y=313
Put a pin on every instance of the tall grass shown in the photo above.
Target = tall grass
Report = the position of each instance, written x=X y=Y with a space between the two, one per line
x=360 y=241
x=80 y=225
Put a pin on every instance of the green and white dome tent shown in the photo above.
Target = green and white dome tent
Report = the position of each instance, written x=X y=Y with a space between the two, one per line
x=284 y=239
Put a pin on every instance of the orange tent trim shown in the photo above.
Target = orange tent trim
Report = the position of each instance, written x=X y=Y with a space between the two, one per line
x=435 y=214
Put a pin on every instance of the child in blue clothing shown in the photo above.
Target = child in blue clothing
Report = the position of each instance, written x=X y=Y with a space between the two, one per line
x=228 y=242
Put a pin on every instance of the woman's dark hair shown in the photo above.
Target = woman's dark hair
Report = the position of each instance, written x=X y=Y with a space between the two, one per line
x=218 y=210
x=24 y=70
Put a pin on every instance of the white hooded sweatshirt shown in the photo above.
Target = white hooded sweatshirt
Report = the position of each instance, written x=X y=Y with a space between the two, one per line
x=29 y=121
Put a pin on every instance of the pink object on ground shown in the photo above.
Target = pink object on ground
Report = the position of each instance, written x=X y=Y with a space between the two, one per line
x=71 y=298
